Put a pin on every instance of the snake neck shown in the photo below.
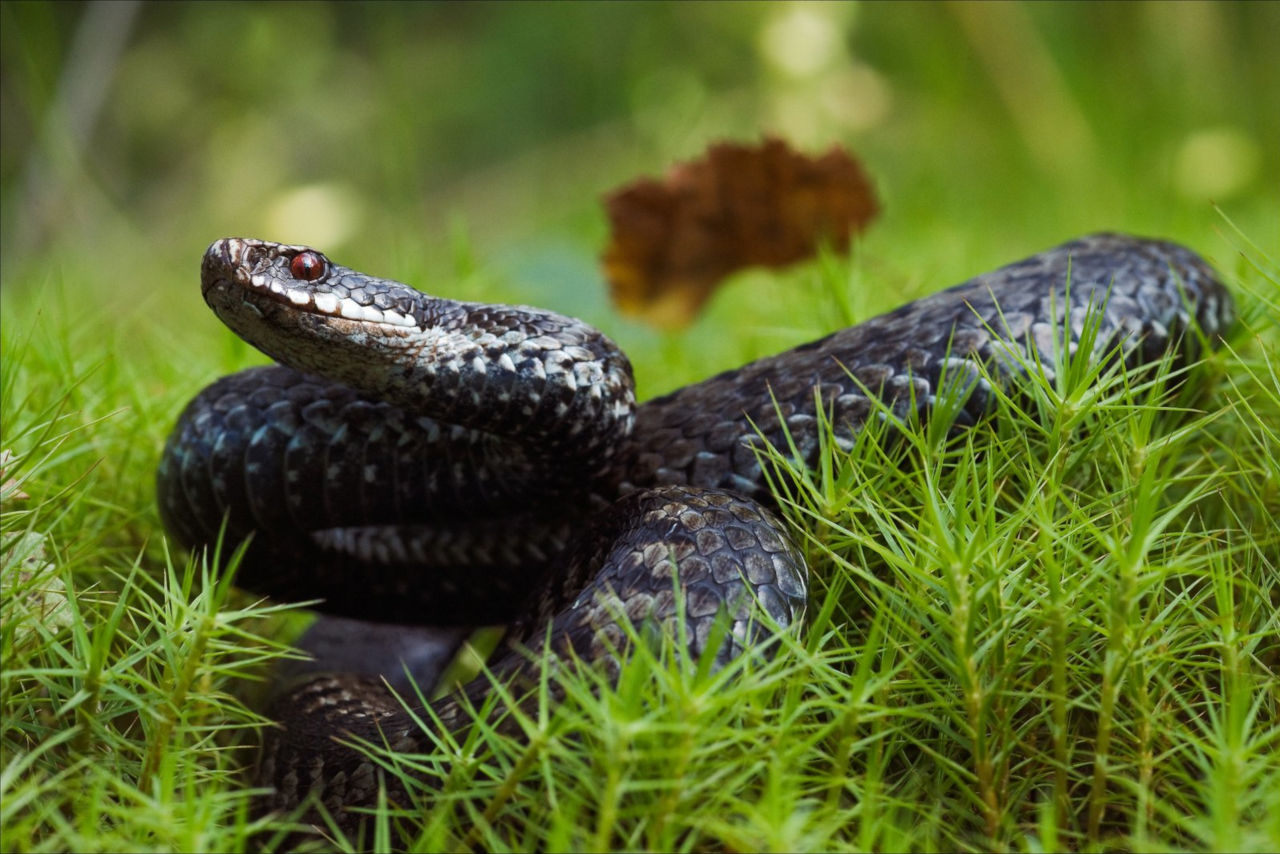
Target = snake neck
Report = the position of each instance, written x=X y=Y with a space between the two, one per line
x=534 y=376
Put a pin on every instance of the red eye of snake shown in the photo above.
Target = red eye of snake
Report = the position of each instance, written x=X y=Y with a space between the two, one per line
x=307 y=266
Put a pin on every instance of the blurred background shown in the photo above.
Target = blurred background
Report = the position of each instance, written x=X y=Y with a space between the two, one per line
x=465 y=147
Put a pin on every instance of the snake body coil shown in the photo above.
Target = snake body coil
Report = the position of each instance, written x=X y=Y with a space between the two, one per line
x=425 y=461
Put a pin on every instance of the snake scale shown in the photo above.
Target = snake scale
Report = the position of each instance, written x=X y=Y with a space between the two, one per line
x=418 y=460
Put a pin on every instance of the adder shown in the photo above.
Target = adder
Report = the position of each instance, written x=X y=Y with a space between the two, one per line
x=420 y=461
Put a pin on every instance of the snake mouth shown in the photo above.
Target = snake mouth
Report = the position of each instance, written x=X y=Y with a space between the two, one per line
x=253 y=271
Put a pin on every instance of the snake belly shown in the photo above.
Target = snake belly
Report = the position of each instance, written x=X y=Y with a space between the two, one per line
x=419 y=460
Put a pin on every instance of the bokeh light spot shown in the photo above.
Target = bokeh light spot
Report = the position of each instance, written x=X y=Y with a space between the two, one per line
x=801 y=40
x=1216 y=163
x=857 y=97
x=321 y=215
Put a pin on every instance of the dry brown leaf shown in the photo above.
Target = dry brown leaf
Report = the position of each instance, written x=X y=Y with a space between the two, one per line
x=739 y=205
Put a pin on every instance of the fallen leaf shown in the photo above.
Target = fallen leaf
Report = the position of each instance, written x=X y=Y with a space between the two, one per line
x=674 y=240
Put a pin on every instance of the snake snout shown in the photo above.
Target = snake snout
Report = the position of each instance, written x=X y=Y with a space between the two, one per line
x=234 y=259
x=223 y=258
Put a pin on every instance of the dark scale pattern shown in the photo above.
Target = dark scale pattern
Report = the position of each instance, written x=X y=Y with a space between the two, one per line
x=1147 y=292
x=437 y=471
x=305 y=463
x=732 y=557
x=733 y=561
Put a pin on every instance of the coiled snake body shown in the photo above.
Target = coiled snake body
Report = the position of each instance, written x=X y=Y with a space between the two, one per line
x=424 y=461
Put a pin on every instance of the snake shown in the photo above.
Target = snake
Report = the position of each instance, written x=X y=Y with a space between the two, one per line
x=420 y=465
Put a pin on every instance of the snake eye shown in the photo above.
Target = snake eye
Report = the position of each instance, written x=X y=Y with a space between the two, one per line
x=307 y=266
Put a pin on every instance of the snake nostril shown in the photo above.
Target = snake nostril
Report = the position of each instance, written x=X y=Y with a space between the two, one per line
x=216 y=263
x=227 y=253
x=228 y=260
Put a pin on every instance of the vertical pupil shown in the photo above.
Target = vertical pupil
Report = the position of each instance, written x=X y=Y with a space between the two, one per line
x=307 y=266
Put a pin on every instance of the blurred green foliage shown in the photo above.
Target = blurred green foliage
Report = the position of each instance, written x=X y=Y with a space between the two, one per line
x=464 y=148
x=134 y=134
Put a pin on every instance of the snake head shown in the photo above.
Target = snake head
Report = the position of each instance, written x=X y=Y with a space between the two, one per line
x=484 y=367
x=303 y=280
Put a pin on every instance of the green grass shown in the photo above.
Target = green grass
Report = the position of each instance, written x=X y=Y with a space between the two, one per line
x=1060 y=632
